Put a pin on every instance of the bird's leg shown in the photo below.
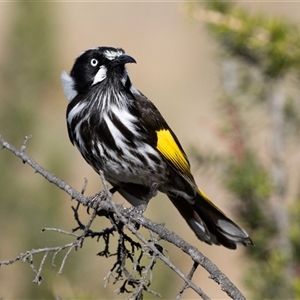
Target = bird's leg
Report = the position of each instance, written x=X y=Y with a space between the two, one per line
x=140 y=209
x=152 y=192
x=93 y=201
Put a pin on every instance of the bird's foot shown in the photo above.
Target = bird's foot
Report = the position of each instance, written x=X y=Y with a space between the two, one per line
x=134 y=211
x=95 y=200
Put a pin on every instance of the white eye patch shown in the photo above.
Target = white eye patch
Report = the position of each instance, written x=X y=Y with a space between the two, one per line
x=101 y=75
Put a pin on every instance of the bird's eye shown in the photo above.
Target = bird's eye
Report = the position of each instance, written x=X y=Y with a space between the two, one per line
x=94 y=62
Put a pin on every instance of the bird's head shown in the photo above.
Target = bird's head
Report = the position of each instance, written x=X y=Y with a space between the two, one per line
x=93 y=67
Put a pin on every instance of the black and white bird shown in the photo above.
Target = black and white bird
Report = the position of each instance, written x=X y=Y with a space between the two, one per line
x=119 y=130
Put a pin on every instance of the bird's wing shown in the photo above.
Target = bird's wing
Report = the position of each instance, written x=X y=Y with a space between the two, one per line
x=162 y=138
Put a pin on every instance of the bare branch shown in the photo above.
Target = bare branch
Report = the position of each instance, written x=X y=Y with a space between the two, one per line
x=121 y=217
x=40 y=170
x=61 y=231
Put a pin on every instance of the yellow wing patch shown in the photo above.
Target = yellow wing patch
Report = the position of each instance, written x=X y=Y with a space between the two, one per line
x=168 y=147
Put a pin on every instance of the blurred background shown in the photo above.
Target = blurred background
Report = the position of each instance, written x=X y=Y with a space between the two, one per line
x=225 y=77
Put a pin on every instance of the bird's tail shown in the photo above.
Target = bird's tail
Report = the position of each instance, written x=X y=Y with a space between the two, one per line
x=209 y=223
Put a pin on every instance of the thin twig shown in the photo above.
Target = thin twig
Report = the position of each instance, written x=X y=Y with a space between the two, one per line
x=61 y=231
x=29 y=253
x=190 y=276
x=24 y=144
x=65 y=258
x=38 y=276
x=84 y=186
x=87 y=229
x=143 y=284
x=40 y=170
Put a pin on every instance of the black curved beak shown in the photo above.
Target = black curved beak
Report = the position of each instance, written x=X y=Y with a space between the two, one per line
x=123 y=59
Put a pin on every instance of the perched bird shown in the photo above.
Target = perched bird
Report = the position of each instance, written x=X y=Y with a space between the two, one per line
x=120 y=131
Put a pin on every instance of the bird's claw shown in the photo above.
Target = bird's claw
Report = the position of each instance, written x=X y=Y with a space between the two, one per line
x=134 y=211
x=94 y=201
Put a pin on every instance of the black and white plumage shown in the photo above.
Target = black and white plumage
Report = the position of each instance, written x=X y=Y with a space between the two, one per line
x=119 y=131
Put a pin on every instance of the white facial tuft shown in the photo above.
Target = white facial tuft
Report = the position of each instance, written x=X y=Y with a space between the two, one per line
x=101 y=75
x=68 y=86
x=111 y=55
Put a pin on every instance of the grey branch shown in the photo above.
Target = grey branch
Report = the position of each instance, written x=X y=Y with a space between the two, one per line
x=28 y=257
x=122 y=213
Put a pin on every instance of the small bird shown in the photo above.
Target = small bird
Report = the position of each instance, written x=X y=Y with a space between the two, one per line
x=120 y=131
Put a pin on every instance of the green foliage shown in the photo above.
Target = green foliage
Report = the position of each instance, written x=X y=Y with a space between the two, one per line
x=220 y=6
x=250 y=182
x=294 y=235
x=268 y=280
x=295 y=230
x=271 y=46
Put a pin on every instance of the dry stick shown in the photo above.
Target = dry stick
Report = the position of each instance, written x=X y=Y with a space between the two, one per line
x=38 y=276
x=26 y=140
x=30 y=261
x=143 y=280
x=190 y=276
x=160 y=230
x=78 y=242
x=87 y=228
x=61 y=231
x=75 y=244
x=26 y=255
x=84 y=186
x=38 y=169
